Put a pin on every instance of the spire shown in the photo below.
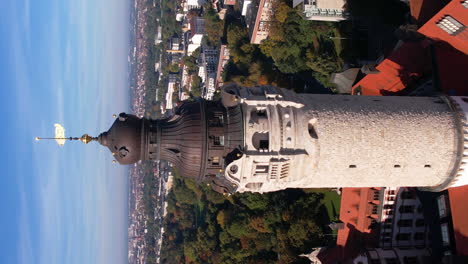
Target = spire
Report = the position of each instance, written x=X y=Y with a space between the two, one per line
x=84 y=138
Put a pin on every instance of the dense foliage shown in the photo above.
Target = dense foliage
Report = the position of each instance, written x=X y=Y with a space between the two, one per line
x=295 y=46
x=203 y=226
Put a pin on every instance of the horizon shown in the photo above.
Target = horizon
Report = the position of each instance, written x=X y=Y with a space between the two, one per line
x=63 y=62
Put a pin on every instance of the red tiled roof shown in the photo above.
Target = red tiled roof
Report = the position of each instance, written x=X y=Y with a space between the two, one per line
x=405 y=65
x=456 y=10
x=423 y=10
x=413 y=60
x=459 y=207
x=356 y=235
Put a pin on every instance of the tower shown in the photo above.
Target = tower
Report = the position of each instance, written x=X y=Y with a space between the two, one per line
x=263 y=139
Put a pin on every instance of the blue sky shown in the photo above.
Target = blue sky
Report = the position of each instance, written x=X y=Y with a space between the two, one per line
x=62 y=61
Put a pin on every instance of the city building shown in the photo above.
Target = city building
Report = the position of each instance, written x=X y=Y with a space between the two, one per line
x=223 y=60
x=323 y=10
x=189 y=5
x=263 y=139
x=378 y=225
x=258 y=15
x=158 y=38
x=208 y=70
x=175 y=43
x=393 y=225
x=229 y=2
x=172 y=85
x=244 y=4
x=197 y=31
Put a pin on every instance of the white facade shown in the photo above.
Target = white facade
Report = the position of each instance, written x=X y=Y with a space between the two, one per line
x=158 y=38
x=193 y=4
x=210 y=87
x=394 y=255
x=245 y=6
x=314 y=141
x=171 y=87
x=323 y=10
x=402 y=221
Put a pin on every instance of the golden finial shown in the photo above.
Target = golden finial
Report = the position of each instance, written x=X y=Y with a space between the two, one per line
x=86 y=138
x=114 y=115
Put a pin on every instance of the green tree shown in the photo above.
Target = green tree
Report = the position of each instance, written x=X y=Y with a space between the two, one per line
x=196 y=86
x=214 y=26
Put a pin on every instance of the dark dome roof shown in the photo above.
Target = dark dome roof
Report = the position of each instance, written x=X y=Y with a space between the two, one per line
x=182 y=139
x=124 y=138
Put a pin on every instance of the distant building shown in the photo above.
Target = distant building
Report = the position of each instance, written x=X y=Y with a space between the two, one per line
x=197 y=31
x=158 y=38
x=221 y=7
x=258 y=18
x=223 y=60
x=175 y=43
x=172 y=85
x=229 y=2
x=244 y=4
x=323 y=10
x=193 y=5
x=209 y=61
x=380 y=225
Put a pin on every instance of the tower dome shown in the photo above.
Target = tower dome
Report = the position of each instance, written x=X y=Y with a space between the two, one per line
x=182 y=139
x=124 y=138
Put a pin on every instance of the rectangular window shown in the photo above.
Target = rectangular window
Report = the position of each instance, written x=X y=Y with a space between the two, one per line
x=374 y=209
x=442 y=206
x=450 y=25
x=215 y=161
x=387 y=240
x=216 y=121
x=261 y=169
x=445 y=234
x=391 y=260
x=376 y=195
x=218 y=140
x=403 y=236
x=408 y=195
x=405 y=223
x=389 y=212
x=406 y=209
x=465 y=3
x=387 y=226
x=419 y=236
x=410 y=260
x=420 y=222
x=274 y=171
x=386 y=234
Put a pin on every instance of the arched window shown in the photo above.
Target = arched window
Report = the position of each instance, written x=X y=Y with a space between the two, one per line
x=260 y=141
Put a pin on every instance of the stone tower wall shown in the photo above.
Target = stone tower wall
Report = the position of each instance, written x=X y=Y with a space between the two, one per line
x=316 y=141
